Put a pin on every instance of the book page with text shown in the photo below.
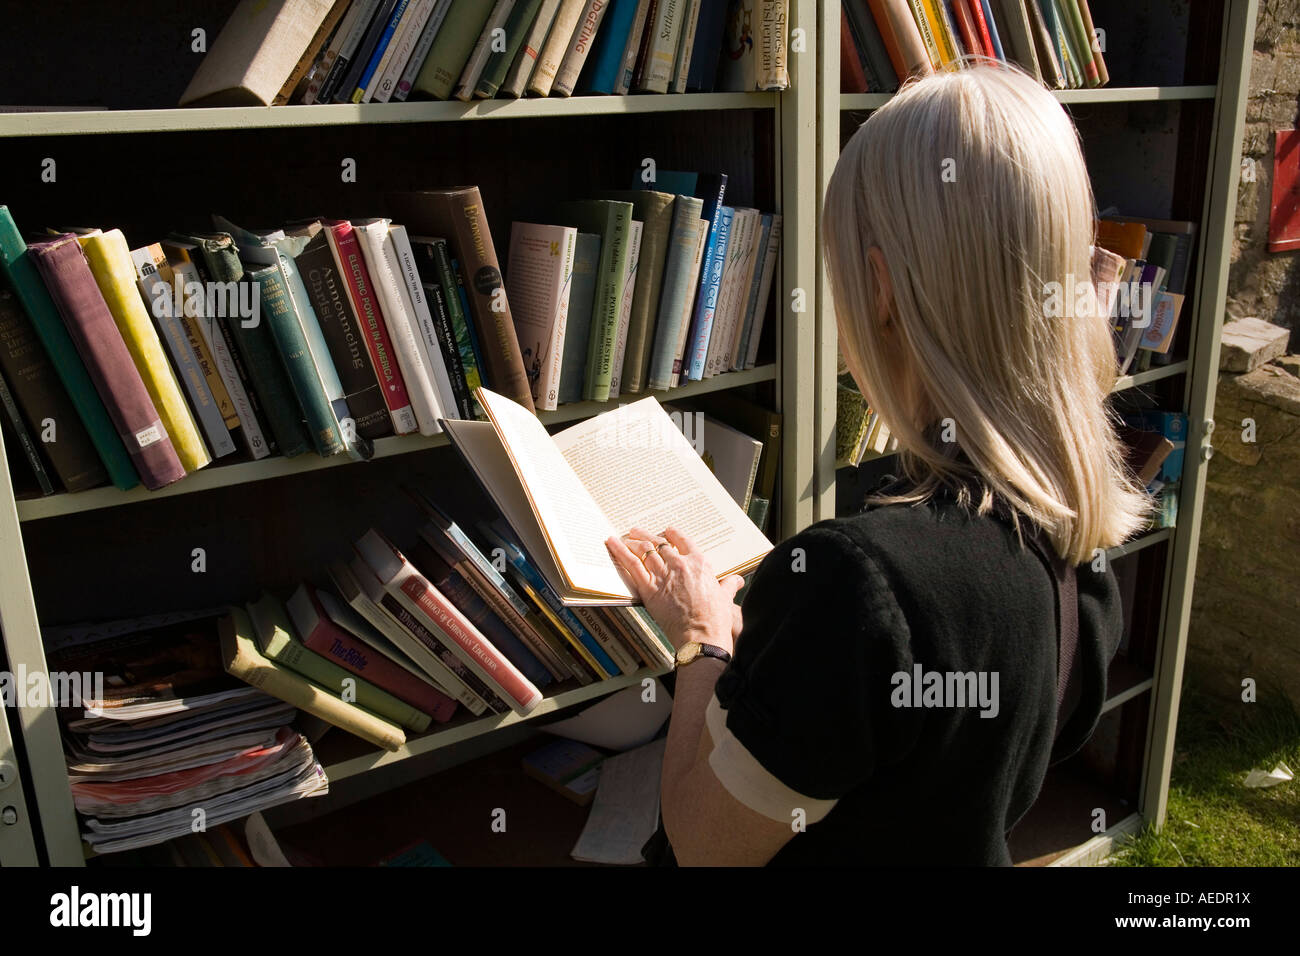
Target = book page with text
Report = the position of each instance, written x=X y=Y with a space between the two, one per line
x=575 y=525
x=642 y=472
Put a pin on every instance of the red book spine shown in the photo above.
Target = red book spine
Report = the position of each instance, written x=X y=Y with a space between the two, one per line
x=852 y=78
x=982 y=28
x=519 y=691
x=353 y=268
x=966 y=27
x=335 y=644
x=74 y=291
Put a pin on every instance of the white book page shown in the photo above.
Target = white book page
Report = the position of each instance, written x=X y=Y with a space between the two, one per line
x=575 y=526
x=642 y=472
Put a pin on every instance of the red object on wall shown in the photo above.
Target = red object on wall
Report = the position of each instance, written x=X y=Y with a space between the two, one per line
x=1284 y=213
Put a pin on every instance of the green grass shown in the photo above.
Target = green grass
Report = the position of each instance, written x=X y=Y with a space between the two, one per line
x=1213 y=819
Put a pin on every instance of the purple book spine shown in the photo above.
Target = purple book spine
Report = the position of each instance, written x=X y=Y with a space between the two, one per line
x=68 y=277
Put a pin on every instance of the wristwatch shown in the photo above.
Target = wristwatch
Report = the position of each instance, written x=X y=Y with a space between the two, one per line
x=692 y=650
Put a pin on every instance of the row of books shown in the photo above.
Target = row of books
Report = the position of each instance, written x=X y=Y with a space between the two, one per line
x=170 y=744
x=1142 y=284
x=329 y=334
x=883 y=42
x=363 y=51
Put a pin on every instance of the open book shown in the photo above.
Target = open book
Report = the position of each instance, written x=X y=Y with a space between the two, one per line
x=564 y=494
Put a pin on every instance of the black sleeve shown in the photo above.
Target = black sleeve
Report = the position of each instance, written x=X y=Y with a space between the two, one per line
x=808 y=693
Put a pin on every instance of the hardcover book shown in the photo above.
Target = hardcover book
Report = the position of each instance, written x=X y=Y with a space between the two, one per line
x=538 y=281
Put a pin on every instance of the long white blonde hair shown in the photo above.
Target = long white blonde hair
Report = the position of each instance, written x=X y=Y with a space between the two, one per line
x=972 y=184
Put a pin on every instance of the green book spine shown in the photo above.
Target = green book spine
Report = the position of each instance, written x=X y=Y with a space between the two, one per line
x=612 y=221
x=456 y=310
x=498 y=65
x=286 y=330
x=283 y=647
x=30 y=290
x=257 y=349
x=452 y=47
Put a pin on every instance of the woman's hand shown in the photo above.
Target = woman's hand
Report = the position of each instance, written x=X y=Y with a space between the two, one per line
x=678 y=587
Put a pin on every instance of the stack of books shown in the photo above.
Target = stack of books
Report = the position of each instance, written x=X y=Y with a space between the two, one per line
x=884 y=42
x=364 y=51
x=140 y=366
x=160 y=741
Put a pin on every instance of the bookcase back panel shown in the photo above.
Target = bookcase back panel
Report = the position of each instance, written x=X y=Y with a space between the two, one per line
x=109 y=55
x=268 y=535
x=150 y=184
x=1159 y=42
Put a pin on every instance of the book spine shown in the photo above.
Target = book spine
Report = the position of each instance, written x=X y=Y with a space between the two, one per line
x=318 y=665
x=566 y=78
x=440 y=310
x=608 y=49
x=344 y=339
x=1090 y=35
x=627 y=66
x=608 y=639
x=244 y=661
x=427 y=330
x=399 y=51
x=324 y=65
x=525 y=62
x=719 y=337
x=643 y=50
x=421 y=50
x=682 y=63
x=655 y=238
x=684 y=325
x=193 y=322
x=235 y=376
x=547 y=392
x=968 y=40
x=499 y=60
x=574 y=631
x=433 y=639
x=907 y=51
x=312 y=53
x=377 y=248
x=482 y=49
x=349 y=259
x=556 y=46
x=982 y=29
x=770 y=65
x=710 y=285
x=945 y=36
x=43 y=400
x=746 y=288
x=751 y=295
x=296 y=357
x=160 y=297
x=605 y=313
x=673 y=298
x=451 y=48
x=25 y=438
x=457 y=309
x=270 y=381
x=927 y=33
x=541 y=271
x=764 y=289
x=372 y=50
x=110 y=366
x=110 y=264
x=1082 y=40
x=489 y=305
x=470 y=645
x=703 y=73
x=409 y=700
x=662 y=50
x=626 y=298
x=348 y=51
x=577 y=323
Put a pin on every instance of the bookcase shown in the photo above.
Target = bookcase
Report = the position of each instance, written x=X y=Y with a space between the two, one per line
x=1162 y=140
x=134 y=162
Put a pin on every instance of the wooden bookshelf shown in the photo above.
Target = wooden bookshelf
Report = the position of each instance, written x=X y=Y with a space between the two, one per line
x=1180 y=98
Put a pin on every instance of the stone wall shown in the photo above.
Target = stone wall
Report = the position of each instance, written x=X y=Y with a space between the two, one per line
x=1246 y=605
x=1262 y=283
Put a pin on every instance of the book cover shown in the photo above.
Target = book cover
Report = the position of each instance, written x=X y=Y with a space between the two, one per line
x=751 y=297
x=110 y=264
x=764 y=291
x=661 y=54
x=582 y=301
x=42 y=400
x=710 y=289
x=678 y=289
x=255 y=52
x=539 y=277
x=109 y=363
x=433 y=333
x=458 y=216
x=626 y=297
x=580 y=45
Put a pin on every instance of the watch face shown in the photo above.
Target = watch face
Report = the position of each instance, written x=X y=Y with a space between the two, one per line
x=688 y=652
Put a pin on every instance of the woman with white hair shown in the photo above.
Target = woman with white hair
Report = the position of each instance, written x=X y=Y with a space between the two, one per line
x=895 y=694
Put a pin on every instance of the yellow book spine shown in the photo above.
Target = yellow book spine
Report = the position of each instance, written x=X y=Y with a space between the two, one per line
x=110 y=263
x=938 y=24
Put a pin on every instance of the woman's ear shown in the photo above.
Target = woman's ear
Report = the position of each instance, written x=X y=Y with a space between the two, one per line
x=884 y=304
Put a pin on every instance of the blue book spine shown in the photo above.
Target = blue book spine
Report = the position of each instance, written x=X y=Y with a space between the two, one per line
x=607 y=58
x=993 y=30
x=380 y=48
x=710 y=285
x=538 y=584
x=343 y=94
x=460 y=593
